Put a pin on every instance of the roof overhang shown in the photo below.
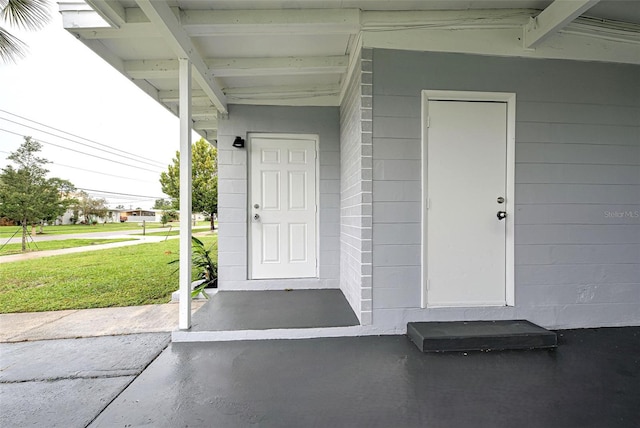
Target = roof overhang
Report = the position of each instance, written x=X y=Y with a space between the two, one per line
x=276 y=52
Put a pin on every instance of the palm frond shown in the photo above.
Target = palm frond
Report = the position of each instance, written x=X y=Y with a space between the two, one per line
x=27 y=14
x=11 y=47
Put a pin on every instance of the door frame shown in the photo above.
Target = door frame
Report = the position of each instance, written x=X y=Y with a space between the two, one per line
x=510 y=99
x=276 y=136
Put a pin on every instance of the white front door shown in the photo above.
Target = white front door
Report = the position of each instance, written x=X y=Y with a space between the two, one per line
x=282 y=207
x=466 y=189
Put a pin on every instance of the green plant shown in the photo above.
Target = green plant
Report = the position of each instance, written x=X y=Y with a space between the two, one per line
x=204 y=267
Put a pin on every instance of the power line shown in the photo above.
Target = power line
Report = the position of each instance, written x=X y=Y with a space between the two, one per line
x=156 y=164
x=78 y=136
x=95 y=172
x=84 y=153
x=102 y=173
x=121 y=194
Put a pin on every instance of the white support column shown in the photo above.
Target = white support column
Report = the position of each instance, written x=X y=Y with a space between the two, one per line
x=184 y=321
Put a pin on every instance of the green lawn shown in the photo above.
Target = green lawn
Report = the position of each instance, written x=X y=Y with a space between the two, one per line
x=7 y=231
x=57 y=245
x=127 y=276
x=176 y=232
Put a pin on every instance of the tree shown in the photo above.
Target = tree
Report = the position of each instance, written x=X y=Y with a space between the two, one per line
x=24 y=14
x=163 y=204
x=167 y=216
x=204 y=186
x=90 y=207
x=26 y=195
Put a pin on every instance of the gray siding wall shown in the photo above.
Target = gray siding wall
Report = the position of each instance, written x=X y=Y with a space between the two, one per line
x=232 y=190
x=577 y=186
x=355 y=189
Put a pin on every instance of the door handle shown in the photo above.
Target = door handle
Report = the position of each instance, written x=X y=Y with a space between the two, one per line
x=256 y=217
x=502 y=215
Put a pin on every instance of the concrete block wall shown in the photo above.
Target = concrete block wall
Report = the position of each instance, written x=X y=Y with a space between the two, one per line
x=577 y=186
x=233 y=186
x=356 y=188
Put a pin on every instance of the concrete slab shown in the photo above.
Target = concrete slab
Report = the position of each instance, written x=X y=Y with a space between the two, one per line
x=262 y=310
x=107 y=356
x=12 y=325
x=591 y=380
x=90 y=322
x=68 y=382
x=62 y=403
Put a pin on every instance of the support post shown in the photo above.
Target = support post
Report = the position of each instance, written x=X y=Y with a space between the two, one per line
x=184 y=319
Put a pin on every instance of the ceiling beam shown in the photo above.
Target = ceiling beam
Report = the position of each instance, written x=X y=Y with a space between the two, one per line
x=205 y=124
x=277 y=21
x=110 y=10
x=227 y=67
x=160 y=14
x=554 y=18
x=204 y=112
x=198 y=97
x=125 y=31
x=233 y=67
x=299 y=95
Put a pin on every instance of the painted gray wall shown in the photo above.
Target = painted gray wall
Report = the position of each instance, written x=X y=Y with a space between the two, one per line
x=577 y=186
x=232 y=190
x=355 y=189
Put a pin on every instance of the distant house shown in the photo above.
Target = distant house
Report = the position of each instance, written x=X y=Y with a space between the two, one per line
x=112 y=216
x=139 y=215
x=433 y=160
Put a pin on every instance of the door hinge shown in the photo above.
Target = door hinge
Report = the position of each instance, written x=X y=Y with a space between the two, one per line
x=428 y=203
x=428 y=121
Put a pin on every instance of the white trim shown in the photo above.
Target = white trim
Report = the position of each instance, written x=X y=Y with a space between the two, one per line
x=276 y=136
x=355 y=54
x=282 y=333
x=510 y=99
x=184 y=314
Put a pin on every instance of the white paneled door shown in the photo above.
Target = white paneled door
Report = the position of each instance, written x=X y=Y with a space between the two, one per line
x=466 y=203
x=282 y=207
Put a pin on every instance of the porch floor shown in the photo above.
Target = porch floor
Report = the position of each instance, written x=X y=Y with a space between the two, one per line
x=591 y=380
x=274 y=309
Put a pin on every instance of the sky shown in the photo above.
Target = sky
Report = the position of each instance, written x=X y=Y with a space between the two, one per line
x=62 y=84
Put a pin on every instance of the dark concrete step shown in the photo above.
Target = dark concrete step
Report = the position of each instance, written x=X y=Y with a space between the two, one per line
x=438 y=336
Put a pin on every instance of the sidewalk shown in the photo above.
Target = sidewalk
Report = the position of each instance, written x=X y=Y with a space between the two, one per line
x=49 y=253
x=72 y=324
x=139 y=239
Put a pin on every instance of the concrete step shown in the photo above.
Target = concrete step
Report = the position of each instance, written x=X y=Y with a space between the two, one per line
x=440 y=336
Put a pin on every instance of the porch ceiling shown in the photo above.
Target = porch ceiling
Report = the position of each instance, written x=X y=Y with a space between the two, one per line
x=300 y=52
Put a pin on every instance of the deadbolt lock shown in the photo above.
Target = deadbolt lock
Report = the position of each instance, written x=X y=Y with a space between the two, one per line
x=500 y=200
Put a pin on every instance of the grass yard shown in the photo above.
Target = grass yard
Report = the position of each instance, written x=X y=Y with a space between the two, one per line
x=127 y=276
x=8 y=231
x=57 y=245
x=176 y=232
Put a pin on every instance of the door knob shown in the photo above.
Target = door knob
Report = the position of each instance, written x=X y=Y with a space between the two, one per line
x=256 y=217
x=502 y=215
